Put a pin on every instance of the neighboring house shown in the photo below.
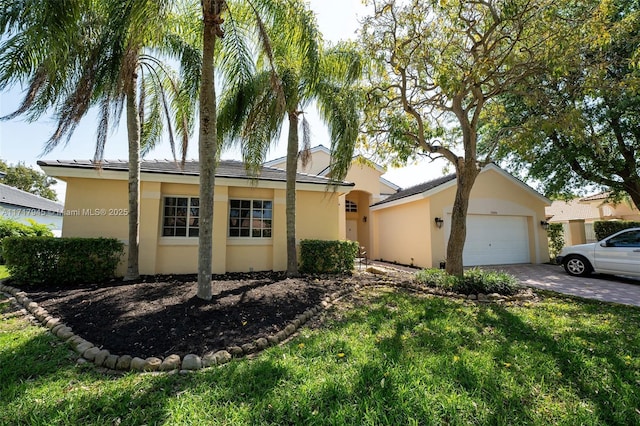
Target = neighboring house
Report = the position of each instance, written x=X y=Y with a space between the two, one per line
x=578 y=215
x=370 y=188
x=504 y=222
x=22 y=206
x=249 y=230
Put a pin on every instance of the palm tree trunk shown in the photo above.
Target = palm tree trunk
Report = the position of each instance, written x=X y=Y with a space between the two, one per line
x=207 y=147
x=466 y=176
x=133 y=135
x=292 y=169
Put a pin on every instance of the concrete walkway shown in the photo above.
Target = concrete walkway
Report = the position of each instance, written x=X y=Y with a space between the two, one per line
x=606 y=288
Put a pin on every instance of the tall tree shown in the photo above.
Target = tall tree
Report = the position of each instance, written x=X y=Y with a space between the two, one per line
x=440 y=64
x=97 y=53
x=28 y=180
x=244 y=22
x=252 y=115
x=579 y=123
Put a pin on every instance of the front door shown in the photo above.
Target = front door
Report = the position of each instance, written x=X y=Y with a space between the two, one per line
x=352 y=230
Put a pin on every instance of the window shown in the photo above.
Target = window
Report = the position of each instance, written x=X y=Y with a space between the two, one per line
x=250 y=218
x=628 y=239
x=181 y=217
x=350 y=207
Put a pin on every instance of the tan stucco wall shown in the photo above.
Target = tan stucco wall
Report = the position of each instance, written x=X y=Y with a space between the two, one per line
x=318 y=215
x=402 y=234
x=320 y=160
x=492 y=194
x=362 y=217
x=366 y=179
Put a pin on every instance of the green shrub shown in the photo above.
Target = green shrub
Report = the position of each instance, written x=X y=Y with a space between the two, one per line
x=474 y=281
x=603 y=229
x=335 y=257
x=436 y=278
x=12 y=228
x=37 y=260
x=555 y=234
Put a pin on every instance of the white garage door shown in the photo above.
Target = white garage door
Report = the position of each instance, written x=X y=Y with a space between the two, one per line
x=496 y=240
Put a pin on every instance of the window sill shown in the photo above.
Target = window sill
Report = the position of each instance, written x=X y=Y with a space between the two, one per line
x=248 y=241
x=178 y=241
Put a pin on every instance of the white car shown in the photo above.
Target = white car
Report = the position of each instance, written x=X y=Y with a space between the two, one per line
x=618 y=254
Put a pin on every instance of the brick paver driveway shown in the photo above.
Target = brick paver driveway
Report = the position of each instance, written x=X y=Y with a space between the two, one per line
x=607 y=288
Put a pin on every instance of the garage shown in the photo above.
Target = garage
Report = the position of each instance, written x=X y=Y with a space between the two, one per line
x=496 y=240
x=505 y=222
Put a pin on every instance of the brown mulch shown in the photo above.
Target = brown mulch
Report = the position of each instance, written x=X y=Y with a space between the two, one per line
x=160 y=316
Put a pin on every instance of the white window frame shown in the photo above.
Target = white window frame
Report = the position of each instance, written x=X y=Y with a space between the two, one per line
x=251 y=220
x=188 y=219
x=350 y=206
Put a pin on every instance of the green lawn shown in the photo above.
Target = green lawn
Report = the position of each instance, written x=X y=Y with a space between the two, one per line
x=397 y=359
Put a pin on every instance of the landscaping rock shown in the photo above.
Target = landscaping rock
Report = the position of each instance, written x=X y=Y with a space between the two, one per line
x=191 y=362
x=64 y=333
x=209 y=359
x=172 y=362
x=262 y=343
x=494 y=296
x=41 y=314
x=273 y=339
x=55 y=329
x=74 y=341
x=482 y=297
x=248 y=348
x=235 y=351
x=83 y=347
x=124 y=362
x=52 y=323
x=101 y=357
x=290 y=329
x=472 y=297
x=32 y=307
x=222 y=357
x=90 y=354
x=111 y=361
x=152 y=364
x=137 y=364
x=376 y=271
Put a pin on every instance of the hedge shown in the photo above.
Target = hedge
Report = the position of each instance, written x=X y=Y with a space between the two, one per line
x=37 y=260
x=335 y=257
x=603 y=229
x=13 y=228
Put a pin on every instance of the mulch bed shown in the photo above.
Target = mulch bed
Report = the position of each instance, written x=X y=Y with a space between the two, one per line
x=160 y=316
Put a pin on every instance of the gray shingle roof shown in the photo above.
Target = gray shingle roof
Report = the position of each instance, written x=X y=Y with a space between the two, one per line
x=417 y=189
x=16 y=197
x=226 y=169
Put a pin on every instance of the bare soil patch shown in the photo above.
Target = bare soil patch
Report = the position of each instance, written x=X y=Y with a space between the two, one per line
x=160 y=316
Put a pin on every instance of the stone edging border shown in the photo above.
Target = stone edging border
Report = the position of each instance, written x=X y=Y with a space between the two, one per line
x=103 y=358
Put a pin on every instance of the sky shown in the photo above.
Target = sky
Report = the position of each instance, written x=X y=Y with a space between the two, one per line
x=21 y=141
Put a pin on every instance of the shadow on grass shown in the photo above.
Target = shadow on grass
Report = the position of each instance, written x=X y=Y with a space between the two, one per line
x=366 y=368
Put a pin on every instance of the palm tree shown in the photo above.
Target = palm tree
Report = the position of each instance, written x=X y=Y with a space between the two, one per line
x=252 y=116
x=245 y=23
x=97 y=53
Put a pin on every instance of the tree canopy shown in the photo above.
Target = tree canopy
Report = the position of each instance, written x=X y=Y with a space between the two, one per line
x=438 y=65
x=28 y=179
x=578 y=123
